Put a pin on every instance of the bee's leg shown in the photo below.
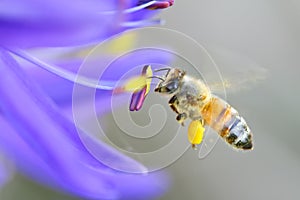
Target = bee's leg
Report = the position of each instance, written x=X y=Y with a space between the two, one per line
x=196 y=132
x=181 y=118
x=202 y=122
x=173 y=102
x=194 y=147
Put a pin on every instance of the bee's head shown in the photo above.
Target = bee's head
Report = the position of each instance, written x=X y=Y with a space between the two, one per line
x=171 y=82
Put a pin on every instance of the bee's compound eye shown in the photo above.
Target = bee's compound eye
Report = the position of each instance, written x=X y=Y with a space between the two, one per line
x=172 y=86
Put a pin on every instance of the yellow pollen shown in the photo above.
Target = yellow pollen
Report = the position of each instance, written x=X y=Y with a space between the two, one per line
x=149 y=73
x=138 y=83
x=135 y=84
x=195 y=132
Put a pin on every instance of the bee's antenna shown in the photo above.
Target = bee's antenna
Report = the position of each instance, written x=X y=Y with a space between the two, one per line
x=158 y=77
x=163 y=69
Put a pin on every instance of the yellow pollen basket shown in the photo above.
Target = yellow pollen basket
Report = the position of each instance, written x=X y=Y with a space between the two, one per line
x=195 y=132
x=149 y=73
x=139 y=82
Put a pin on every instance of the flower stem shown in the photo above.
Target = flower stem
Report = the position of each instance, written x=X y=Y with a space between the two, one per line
x=85 y=81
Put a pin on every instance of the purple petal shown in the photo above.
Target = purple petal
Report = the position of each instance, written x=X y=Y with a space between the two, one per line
x=60 y=90
x=113 y=185
x=30 y=23
x=46 y=146
x=5 y=173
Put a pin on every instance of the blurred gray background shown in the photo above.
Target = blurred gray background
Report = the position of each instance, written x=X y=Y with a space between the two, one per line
x=266 y=32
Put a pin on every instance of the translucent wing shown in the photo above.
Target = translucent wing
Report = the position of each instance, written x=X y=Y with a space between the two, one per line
x=209 y=141
x=236 y=72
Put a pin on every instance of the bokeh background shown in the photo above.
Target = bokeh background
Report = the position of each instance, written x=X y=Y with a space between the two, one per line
x=267 y=33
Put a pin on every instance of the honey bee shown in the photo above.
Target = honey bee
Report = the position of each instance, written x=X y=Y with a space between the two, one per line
x=192 y=98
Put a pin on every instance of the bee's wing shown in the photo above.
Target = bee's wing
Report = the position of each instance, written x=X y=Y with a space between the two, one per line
x=236 y=72
x=209 y=141
x=240 y=81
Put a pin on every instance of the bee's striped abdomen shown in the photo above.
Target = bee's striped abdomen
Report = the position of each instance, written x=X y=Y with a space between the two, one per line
x=228 y=123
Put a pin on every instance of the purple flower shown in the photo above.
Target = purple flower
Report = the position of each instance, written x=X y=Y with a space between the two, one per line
x=31 y=23
x=36 y=129
x=45 y=144
x=5 y=172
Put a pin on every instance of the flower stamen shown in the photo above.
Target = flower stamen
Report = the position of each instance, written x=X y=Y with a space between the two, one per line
x=158 y=4
x=84 y=81
x=140 y=86
x=144 y=4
